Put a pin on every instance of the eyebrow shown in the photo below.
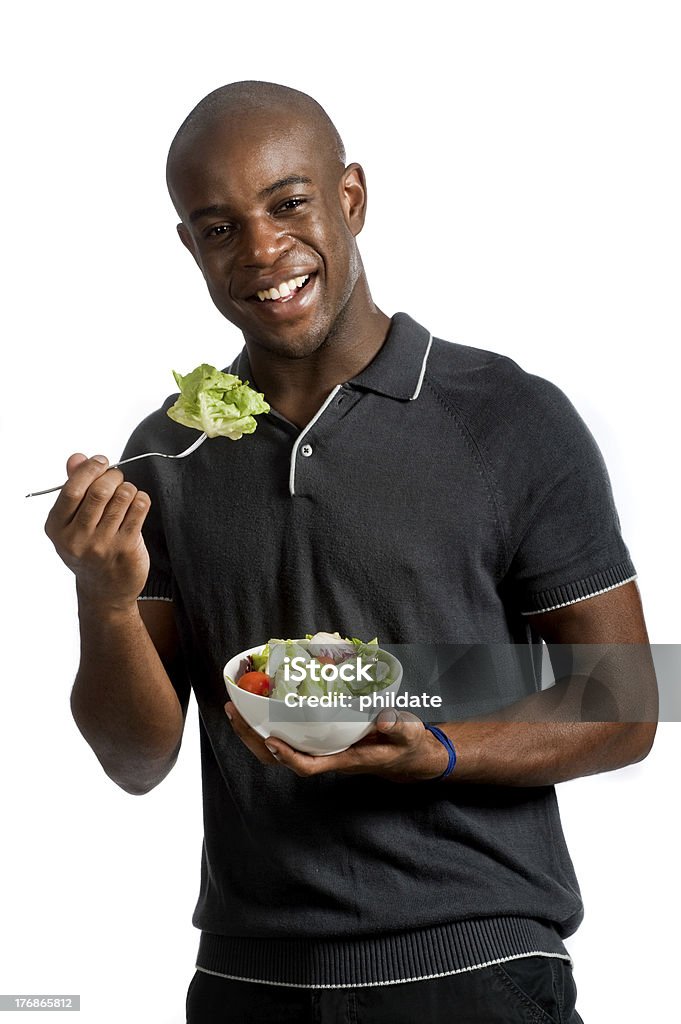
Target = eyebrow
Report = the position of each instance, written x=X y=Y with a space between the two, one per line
x=292 y=179
x=207 y=211
x=218 y=211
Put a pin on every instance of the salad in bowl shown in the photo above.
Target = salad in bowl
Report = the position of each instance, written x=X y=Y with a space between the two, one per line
x=319 y=693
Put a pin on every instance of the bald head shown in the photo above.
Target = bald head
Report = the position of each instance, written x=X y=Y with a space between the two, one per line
x=258 y=178
x=231 y=106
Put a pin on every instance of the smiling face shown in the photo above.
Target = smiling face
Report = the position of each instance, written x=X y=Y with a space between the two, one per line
x=271 y=216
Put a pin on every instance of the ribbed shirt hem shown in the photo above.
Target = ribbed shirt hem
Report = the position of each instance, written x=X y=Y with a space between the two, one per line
x=580 y=590
x=377 y=960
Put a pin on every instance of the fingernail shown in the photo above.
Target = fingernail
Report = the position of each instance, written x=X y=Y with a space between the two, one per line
x=100 y=458
x=272 y=751
x=228 y=712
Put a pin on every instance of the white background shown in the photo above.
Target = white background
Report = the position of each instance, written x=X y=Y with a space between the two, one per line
x=523 y=166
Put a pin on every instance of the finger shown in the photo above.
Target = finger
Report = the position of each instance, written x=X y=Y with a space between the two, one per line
x=81 y=475
x=396 y=751
x=304 y=765
x=116 y=509
x=137 y=512
x=357 y=758
x=248 y=736
x=95 y=500
x=74 y=461
x=374 y=753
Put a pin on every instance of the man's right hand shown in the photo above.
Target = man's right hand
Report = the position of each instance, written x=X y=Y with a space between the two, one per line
x=95 y=525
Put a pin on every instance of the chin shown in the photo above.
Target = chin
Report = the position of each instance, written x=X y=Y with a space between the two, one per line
x=289 y=344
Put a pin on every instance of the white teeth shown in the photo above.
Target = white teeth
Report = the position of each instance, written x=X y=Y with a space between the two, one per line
x=284 y=290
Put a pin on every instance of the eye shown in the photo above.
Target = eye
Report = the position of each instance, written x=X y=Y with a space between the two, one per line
x=291 y=204
x=219 y=231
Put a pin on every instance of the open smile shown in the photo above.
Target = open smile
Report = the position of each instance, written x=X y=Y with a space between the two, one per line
x=285 y=291
x=287 y=297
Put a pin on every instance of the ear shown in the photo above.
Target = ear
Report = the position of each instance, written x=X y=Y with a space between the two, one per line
x=188 y=242
x=353 y=197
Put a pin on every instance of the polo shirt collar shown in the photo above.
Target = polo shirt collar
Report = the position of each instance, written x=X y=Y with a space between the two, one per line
x=397 y=370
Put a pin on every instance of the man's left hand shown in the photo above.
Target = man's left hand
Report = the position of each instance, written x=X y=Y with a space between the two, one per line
x=399 y=748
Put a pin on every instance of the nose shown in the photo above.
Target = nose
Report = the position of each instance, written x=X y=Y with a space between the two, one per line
x=262 y=243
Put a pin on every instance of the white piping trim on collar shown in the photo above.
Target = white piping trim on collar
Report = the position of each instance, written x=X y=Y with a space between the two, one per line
x=423 y=369
x=301 y=435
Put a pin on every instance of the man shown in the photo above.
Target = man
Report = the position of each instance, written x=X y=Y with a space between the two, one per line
x=401 y=486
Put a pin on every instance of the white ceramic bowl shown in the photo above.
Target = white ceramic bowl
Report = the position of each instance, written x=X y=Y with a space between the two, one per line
x=334 y=730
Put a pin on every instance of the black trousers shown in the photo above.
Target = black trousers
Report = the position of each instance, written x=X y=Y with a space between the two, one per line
x=534 y=989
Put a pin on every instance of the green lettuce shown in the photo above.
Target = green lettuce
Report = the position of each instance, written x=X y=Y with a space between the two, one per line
x=219 y=404
x=259 y=661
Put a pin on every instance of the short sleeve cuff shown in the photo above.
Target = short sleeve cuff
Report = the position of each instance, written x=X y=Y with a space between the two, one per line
x=579 y=590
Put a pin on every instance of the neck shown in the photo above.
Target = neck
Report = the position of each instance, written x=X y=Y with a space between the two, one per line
x=296 y=388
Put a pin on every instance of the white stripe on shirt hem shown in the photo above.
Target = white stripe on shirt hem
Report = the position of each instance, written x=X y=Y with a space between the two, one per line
x=564 y=604
x=155 y=599
x=396 y=981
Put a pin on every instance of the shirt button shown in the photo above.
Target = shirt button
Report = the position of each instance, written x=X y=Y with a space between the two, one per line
x=306 y=450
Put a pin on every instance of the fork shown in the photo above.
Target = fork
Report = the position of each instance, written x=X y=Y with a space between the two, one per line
x=133 y=458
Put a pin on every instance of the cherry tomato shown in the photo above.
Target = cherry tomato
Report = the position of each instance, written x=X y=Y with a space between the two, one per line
x=256 y=682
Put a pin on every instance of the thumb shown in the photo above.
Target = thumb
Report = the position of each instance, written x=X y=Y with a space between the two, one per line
x=401 y=726
x=74 y=461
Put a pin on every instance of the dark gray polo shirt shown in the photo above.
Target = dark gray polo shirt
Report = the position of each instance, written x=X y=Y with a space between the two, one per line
x=440 y=496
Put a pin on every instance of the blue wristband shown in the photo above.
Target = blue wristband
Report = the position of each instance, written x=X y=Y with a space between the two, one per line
x=448 y=745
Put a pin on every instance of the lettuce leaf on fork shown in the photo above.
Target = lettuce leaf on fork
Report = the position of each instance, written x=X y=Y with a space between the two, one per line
x=219 y=404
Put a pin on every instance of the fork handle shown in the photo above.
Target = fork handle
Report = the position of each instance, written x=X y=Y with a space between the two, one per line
x=49 y=490
x=132 y=458
x=52 y=490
